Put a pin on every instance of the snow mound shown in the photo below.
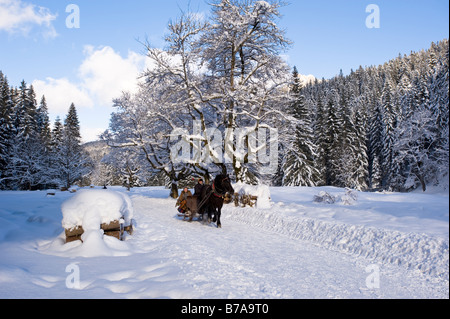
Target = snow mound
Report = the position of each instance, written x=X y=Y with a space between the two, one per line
x=261 y=191
x=91 y=208
x=95 y=244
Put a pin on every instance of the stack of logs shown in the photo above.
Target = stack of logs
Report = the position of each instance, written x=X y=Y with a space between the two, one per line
x=241 y=200
x=114 y=229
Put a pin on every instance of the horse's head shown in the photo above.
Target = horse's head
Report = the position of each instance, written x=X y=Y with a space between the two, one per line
x=224 y=183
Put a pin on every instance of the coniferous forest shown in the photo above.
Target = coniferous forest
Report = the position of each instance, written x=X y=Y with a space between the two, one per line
x=378 y=128
x=382 y=127
x=33 y=155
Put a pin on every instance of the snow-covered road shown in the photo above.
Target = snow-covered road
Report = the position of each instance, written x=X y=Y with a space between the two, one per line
x=253 y=256
x=242 y=261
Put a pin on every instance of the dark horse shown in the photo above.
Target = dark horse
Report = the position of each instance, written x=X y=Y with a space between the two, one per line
x=213 y=197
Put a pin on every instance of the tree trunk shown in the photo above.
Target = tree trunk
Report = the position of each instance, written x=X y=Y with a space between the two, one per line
x=422 y=182
x=174 y=190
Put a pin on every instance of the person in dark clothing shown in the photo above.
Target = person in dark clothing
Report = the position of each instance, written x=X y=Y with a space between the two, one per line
x=198 y=191
x=198 y=188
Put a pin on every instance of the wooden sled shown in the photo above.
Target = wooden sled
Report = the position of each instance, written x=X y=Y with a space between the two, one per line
x=192 y=209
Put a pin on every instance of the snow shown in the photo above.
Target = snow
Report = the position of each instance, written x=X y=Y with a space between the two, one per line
x=91 y=208
x=288 y=247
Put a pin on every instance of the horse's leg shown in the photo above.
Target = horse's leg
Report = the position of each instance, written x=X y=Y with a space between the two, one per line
x=210 y=212
x=219 y=212
x=205 y=216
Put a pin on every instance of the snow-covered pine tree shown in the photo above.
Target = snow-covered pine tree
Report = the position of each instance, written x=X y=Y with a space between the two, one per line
x=352 y=171
x=25 y=112
x=388 y=137
x=71 y=160
x=375 y=145
x=332 y=142
x=56 y=135
x=55 y=160
x=43 y=123
x=299 y=160
x=320 y=140
x=6 y=135
x=24 y=168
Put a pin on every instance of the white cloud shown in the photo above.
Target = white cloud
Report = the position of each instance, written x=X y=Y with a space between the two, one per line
x=20 y=17
x=60 y=93
x=105 y=74
x=102 y=76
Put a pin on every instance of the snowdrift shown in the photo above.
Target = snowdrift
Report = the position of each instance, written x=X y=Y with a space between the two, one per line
x=429 y=255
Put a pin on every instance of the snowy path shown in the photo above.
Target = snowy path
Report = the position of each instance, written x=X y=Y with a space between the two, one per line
x=169 y=258
x=241 y=261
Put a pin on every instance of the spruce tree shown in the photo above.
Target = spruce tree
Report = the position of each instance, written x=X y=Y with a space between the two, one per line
x=5 y=126
x=43 y=123
x=299 y=166
x=72 y=160
x=388 y=139
x=375 y=146
x=320 y=140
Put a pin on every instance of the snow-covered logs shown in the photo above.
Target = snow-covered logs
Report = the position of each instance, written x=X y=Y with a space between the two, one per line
x=104 y=211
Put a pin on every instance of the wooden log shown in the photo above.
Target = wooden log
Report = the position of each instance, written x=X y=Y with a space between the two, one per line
x=114 y=225
x=73 y=238
x=77 y=231
x=114 y=229
x=115 y=233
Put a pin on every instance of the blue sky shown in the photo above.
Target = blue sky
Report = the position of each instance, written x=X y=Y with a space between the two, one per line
x=92 y=64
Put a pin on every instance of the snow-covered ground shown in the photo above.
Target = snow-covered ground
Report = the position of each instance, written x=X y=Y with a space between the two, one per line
x=371 y=246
